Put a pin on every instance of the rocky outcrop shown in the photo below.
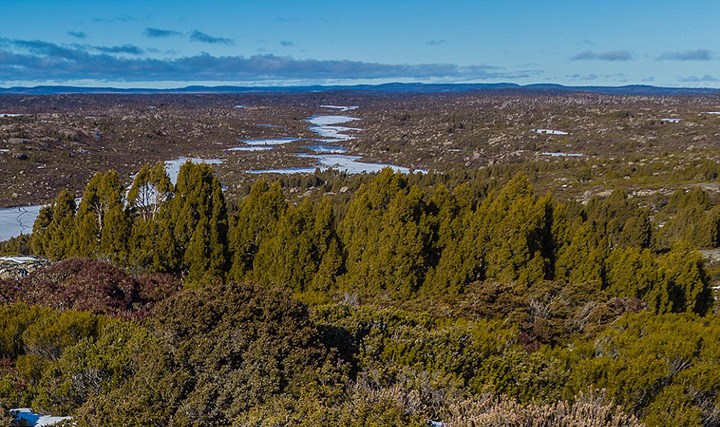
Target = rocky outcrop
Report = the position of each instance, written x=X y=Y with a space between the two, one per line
x=19 y=267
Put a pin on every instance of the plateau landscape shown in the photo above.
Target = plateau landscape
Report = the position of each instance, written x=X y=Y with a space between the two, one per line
x=359 y=213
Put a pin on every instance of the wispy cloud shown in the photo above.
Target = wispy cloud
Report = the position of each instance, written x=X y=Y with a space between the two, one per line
x=694 y=79
x=77 y=34
x=160 y=33
x=617 y=77
x=206 y=38
x=435 y=42
x=127 y=48
x=41 y=61
x=116 y=19
x=687 y=55
x=287 y=43
x=613 y=55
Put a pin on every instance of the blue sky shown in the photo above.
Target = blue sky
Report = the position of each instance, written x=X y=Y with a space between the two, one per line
x=156 y=43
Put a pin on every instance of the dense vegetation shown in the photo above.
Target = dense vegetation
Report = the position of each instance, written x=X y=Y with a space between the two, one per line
x=405 y=299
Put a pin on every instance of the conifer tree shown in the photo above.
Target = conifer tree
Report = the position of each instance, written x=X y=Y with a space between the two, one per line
x=634 y=273
x=686 y=279
x=258 y=214
x=150 y=190
x=39 y=238
x=197 y=219
x=583 y=258
x=459 y=250
x=516 y=228
x=60 y=234
x=103 y=224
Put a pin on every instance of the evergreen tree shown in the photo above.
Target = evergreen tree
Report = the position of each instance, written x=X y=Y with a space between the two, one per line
x=60 y=235
x=516 y=232
x=39 y=238
x=687 y=280
x=103 y=224
x=583 y=258
x=151 y=245
x=150 y=190
x=388 y=234
x=634 y=273
x=196 y=220
x=258 y=214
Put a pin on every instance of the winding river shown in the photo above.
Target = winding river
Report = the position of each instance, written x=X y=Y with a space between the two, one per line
x=327 y=153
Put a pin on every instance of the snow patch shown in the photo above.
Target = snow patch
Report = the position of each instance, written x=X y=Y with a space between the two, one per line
x=558 y=154
x=270 y=141
x=339 y=162
x=251 y=148
x=327 y=149
x=17 y=220
x=341 y=108
x=32 y=419
x=550 y=132
x=173 y=166
x=18 y=259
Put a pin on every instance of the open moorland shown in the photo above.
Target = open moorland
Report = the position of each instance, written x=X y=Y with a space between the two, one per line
x=612 y=142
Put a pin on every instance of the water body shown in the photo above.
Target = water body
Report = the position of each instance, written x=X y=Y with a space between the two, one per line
x=331 y=156
x=270 y=141
x=339 y=162
x=268 y=125
x=327 y=149
x=341 y=108
x=251 y=148
x=17 y=221
x=173 y=166
x=558 y=154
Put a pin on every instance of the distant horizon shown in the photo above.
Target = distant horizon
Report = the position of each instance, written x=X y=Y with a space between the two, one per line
x=407 y=86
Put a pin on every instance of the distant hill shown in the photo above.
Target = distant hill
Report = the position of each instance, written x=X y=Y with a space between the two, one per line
x=381 y=88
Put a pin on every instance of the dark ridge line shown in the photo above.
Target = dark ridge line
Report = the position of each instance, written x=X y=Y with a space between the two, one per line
x=548 y=88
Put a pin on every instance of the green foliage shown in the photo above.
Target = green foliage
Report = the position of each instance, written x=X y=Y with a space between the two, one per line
x=102 y=222
x=217 y=352
x=303 y=244
x=54 y=231
x=662 y=366
x=388 y=237
x=257 y=216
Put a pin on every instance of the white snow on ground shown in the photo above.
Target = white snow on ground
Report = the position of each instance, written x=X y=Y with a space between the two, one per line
x=268 y=125
x=330 y=120
x=325 y=126
x=270 y=141
x=17 y=220
x=712 y=112
x=327 y=157
x=327 y=149
x=36 y=420
x=550 y=132
x=12 y=115
x=339 y=162
x=333 y=133
x=173 y=166
x=558 y=154
x=251 y=148
x=341 y=107
x=18 y=259
x=671 y=120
